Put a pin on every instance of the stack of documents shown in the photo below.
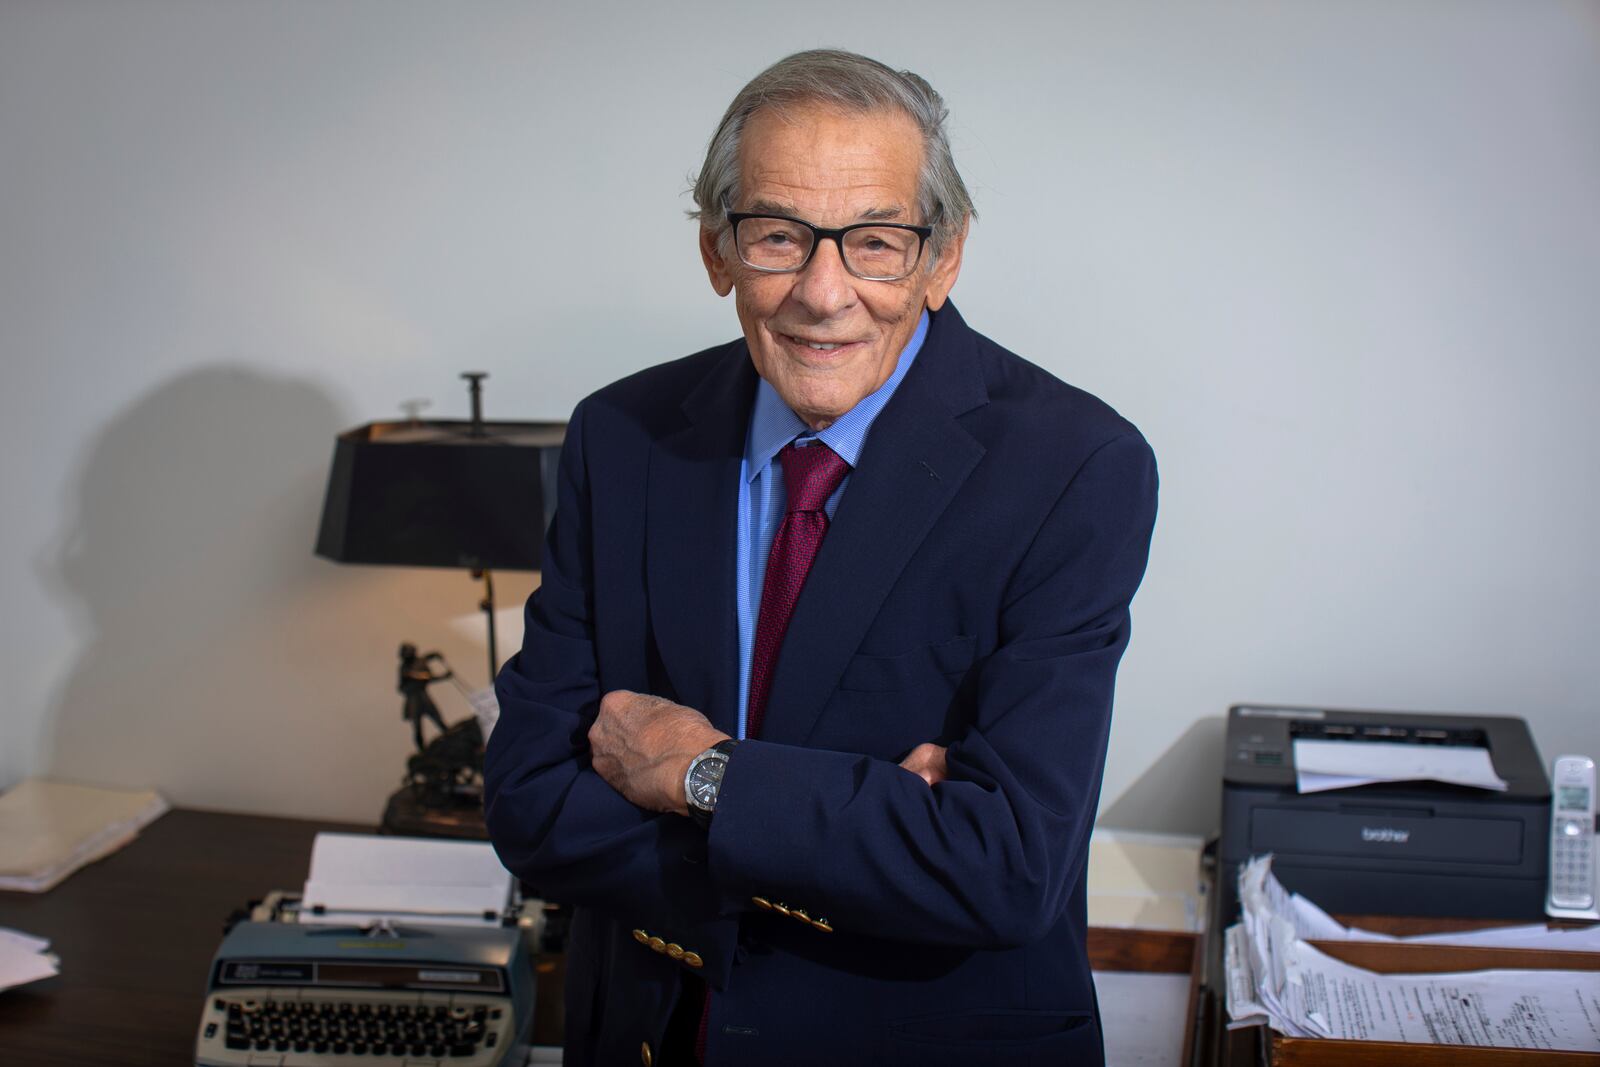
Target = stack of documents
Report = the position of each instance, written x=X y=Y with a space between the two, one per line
x=50 y=829
x=1275 y=977
x=1313 y=924
x=23 y=959
x=1320 y=765
x=1146 y=881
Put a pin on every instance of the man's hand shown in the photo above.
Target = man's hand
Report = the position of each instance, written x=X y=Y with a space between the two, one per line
x=642 y=746
x=926 y=761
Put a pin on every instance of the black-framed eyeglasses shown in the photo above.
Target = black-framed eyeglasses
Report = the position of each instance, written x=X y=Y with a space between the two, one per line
x=872 y=251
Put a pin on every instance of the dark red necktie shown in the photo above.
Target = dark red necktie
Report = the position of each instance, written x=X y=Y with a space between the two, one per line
x=810 y=475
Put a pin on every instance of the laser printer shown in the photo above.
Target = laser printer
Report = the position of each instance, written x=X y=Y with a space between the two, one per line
x=1391 y=848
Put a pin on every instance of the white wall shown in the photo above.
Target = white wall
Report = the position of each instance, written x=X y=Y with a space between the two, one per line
x=1339 y=261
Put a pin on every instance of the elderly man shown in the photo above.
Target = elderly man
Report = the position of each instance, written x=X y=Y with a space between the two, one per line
x=811 y=712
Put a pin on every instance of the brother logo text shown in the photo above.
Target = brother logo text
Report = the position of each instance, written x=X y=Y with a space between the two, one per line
x=1386 y=834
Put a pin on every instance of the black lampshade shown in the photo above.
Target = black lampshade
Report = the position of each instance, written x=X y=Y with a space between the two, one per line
x=441 y=493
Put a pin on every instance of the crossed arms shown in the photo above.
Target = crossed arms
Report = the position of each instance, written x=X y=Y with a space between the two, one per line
x=584 y=786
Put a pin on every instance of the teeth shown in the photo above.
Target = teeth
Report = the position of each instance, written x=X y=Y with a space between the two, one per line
x=820 y=348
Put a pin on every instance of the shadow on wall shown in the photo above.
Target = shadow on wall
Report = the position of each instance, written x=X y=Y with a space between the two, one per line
x=1181 y=792
x=224 y=664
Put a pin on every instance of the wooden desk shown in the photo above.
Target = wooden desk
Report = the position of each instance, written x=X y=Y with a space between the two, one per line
x=136 y=932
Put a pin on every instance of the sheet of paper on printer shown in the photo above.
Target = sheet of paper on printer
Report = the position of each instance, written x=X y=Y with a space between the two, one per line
x=362 y=879
x=1321 y=765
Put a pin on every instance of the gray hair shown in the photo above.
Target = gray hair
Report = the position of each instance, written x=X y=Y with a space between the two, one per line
x=854 y=83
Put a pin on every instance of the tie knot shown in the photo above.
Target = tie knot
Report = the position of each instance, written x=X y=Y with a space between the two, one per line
x=811 y=474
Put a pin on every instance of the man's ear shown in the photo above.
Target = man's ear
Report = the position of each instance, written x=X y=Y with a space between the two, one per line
x=943 y=276
x=716 y=266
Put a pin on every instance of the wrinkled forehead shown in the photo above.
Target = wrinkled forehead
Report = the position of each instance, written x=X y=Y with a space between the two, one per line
x=827 y=156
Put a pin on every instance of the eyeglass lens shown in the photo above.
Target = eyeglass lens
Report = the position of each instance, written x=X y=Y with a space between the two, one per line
x=874 y=252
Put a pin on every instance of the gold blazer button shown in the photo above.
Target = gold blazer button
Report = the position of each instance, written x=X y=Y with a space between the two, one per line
x=644 y=1054
x=780 y=907
x=658 y=945
x=641 y=937
x=762 y=902
x=822 y=924
x=675 y=950
x=693 y=959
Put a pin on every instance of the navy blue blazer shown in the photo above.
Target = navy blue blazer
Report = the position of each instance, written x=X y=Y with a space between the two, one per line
x=972 y=590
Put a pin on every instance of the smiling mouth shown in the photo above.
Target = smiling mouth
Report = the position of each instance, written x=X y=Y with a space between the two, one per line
x=818 y=346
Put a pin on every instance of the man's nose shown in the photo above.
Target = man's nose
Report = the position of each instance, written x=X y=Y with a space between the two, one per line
x=824 y=287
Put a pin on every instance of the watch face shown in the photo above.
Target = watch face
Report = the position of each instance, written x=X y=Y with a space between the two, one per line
x=706 y=779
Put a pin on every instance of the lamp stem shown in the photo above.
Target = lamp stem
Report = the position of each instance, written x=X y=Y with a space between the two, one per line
x=475 y=389
x=486 y=605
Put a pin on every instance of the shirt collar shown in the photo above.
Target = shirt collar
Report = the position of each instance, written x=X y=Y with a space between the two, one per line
x=773 y=424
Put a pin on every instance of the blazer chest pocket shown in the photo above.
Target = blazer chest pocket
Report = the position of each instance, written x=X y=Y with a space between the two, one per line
x=944 y=662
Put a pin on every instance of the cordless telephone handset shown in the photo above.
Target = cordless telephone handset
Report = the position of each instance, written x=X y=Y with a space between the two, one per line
x=1572 y=874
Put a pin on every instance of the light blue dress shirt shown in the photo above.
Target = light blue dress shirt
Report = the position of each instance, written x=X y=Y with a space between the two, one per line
x=763 y=499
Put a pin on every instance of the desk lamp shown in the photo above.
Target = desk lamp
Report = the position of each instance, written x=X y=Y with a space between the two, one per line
x=474 y=495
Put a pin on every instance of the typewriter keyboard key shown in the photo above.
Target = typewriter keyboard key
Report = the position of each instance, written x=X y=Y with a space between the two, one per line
x=319 y=1046
x=358 y=1048
x=280 y=1045
x=238 y=1041
x=462 y=1048
x=302 y=1045
x=340 y=1048
x=397 y=1049
x=436 y=1050
x=262 y=1044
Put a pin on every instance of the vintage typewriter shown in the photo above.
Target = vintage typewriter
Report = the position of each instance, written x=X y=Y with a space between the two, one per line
x=359 y=971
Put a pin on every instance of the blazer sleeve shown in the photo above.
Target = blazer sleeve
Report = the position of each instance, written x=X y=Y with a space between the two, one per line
x=555 y=823
x=989 y=857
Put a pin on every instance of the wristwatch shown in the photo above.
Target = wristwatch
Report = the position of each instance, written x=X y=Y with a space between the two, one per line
x=703 y=781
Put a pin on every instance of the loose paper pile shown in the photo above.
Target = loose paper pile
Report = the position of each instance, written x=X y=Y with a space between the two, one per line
x=23 y=959
x=1275 y=977
x=1314 y=924
x=50 y=829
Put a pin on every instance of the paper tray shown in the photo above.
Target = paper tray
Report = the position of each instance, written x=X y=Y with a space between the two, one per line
x=1152 y=952
x=1388 y=958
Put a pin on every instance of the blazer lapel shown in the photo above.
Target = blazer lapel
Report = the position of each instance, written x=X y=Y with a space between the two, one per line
x=916 y=459
x=692 y=510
